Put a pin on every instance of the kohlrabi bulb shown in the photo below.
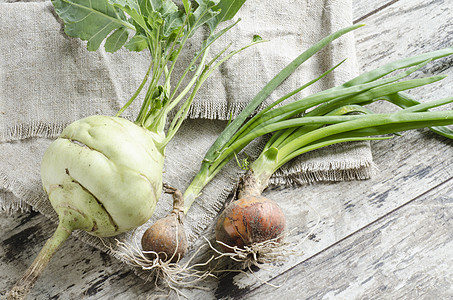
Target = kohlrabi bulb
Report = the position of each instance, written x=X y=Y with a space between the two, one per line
x=103 y=175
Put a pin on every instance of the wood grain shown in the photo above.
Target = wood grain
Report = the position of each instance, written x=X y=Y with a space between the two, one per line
x=76 y=271
x=410 y=166
x=388 y=237
x=406 y=254
x=365 y=9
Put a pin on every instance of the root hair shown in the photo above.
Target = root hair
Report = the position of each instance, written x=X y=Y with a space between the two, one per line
x=167 y=276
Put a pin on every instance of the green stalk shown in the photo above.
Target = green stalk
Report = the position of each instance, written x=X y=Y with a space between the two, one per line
x=179 y=35
x=158 y=122
x=26 y=282
x=420 y=107
x=288 y=130
x=204 y=175
x=300 y=106
x=365 y=128
x=226 y=135
x=366 y=97
x=137 y=92
x=398 y=65
x=357 y=129
x=338 y=93
x=201 y=78
x=288 y=135
x=182 y=113
x=208 y=172
x=404 y=100
x=172 y=101
x=240 y=142
x=373 y=93
x=416 y=62
x=256 y=120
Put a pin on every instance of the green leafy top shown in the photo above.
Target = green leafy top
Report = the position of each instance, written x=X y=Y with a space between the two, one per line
x=160 y=27
x=111 y=20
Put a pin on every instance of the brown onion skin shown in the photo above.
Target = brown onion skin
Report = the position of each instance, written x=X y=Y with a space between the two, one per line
x=249 y=220
x=166 y=237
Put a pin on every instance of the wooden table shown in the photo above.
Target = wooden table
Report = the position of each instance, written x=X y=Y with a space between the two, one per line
x=390 y=237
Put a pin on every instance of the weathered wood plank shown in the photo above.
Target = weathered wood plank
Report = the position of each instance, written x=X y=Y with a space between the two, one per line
x=76 y=271
x=404 y=255
x=409 y=167
x=362 y=9
x=391 y=185
x=408 y=28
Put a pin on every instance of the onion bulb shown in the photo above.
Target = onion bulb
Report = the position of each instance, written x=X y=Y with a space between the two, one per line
x=167 y=237
x=249 y=220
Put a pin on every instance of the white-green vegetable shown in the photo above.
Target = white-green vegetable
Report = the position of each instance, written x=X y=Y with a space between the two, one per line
x=103 y=174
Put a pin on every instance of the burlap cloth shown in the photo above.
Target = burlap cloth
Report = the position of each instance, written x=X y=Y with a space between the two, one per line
x=48 y=80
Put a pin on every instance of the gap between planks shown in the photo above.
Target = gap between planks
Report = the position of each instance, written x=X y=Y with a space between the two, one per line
x=374 y=11
x=369 y=225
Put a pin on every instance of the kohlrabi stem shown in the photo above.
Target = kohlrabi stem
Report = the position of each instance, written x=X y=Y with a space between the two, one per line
x=137 y=92
x=156 y=121
x=209 y=68
x=182 y=113
x=145 y=107
x=24 y=284
x=205 y=48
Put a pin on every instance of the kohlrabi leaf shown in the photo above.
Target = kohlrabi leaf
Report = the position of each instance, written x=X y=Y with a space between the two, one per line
x=186 y=4
x=130 y=4
x=155 y=4
x=91 y=20
x=137 y=43
x=203 y=13
x=116 y=40
x=146 y=7
x=155 y=21
x=163 y=7
x=131 y=8
x=167 y=8
x=172 y=23
x=228 y=9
